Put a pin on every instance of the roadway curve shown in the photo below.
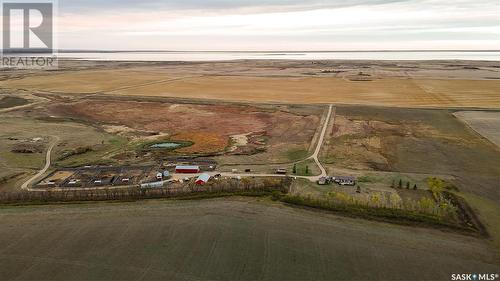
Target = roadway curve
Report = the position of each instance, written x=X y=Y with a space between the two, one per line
x=26 y=185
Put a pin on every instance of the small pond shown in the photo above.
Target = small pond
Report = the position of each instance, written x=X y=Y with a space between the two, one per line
x=168 y=145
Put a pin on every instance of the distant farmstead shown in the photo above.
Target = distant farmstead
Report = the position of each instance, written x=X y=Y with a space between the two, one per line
x=187 y=169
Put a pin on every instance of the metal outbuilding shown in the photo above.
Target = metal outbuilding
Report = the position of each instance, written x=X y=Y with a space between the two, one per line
x=187 y=169
x=202 y=179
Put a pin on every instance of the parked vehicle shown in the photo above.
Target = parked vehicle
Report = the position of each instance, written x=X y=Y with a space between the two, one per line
x=281 y=171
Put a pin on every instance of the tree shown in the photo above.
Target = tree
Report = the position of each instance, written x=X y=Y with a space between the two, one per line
x=415 y=187
x=436 y=186
x=294 y=168
x=307 y=170
x=427 y=205
x=375 y=199
x=400 y=185
x=408 y=185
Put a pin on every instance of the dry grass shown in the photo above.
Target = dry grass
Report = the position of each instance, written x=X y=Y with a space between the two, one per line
x=209 y=127
x=168 y=117
x=203 y=143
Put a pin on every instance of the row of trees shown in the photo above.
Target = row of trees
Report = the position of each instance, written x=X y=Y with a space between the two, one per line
x=256 y=186
x=295 y=169
x=400 y=185
x=440 y=208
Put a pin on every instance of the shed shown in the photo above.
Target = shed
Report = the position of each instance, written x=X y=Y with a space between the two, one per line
x=202 y=179
x=187 y=169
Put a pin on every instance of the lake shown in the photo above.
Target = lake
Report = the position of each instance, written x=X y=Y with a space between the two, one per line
x=225 y=56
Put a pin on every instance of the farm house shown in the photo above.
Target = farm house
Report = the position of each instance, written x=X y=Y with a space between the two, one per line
x=187 y=169
x=202 y=179
x=345 y=181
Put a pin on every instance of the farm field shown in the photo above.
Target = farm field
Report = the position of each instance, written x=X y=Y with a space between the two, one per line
x=402 y=84
x=387 y=91
x=485 y=123
x=230 y=239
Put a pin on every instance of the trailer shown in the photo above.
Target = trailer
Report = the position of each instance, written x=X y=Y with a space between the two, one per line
x=149 y=185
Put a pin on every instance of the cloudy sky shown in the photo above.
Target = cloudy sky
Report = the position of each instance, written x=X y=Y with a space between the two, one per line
x=279 y=24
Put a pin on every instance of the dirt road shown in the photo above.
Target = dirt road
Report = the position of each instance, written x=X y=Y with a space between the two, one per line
x=320 y=143
x=26 y=185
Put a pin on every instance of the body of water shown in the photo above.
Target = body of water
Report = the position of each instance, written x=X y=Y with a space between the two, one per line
x=169 y=145
x=225 y=56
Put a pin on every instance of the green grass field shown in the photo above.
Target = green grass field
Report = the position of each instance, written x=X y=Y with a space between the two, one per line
x=223 y=239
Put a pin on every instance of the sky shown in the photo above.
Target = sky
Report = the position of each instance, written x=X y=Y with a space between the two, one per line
x=271 y=25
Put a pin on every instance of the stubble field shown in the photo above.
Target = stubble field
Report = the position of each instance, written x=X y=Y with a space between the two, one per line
x=396 y=84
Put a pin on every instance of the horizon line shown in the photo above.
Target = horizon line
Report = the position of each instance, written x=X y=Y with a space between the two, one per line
x=274 y=51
